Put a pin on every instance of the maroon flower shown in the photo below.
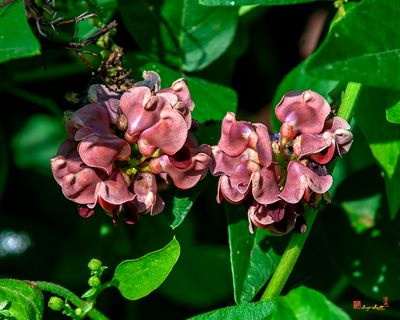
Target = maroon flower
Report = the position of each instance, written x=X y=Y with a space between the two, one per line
x=119 y=149
x=302 y=111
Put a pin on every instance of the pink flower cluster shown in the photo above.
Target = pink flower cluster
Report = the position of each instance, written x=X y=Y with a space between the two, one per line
x=274 y=176
x=122 y=148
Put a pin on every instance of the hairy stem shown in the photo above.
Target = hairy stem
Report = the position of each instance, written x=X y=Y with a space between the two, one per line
x=71 y=297
x=296 y=243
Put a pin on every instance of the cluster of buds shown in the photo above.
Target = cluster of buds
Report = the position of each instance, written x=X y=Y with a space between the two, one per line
x=124 y=147
x=275 y=175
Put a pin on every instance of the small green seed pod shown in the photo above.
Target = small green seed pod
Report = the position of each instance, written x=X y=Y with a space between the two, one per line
x=56 y=303
x=94 y=281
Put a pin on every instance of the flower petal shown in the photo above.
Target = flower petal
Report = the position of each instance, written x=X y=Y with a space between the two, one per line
x=304 y=111
x=264 y=186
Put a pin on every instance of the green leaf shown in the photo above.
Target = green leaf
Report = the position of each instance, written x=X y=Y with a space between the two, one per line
x=180 y=32
x=38 y=141
x=249 y=311
x=299 y=80
x=25 y=302
x=363 y=46
x=16 y=37
x=393 y=113
x=251 y=265
x=310 y=304
x=383 y=138
x=252 y=2
x=137 y=278
x=219 y=99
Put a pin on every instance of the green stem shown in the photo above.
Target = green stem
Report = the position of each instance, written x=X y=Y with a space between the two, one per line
x=71 y=297
x=296 y=243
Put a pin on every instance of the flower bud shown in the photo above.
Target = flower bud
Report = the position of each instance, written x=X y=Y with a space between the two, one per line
x=94 y=264
x=56 y=303
x=94 y=281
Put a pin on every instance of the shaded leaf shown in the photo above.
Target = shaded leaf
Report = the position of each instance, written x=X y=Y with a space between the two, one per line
x=307 y=303
x=252 y=2
x=363 y=46
x=23 y=301
x=362 y=212
x=369 y=259
x=299 y=80
x=212 y=101
x=383 y=138
x=38 y=141
x=16 y=37
x=201 y=276
x=180 y=32
x=251 y=265
x=137 y=278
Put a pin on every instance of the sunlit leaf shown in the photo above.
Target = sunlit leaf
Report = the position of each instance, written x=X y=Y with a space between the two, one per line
x=251 y=264
x=181 y=33
x=393 y=113
x=16 y=37
x=137 y=278
x=22 y=300
x=363 y=46
x=307 y=303
x=273 y=310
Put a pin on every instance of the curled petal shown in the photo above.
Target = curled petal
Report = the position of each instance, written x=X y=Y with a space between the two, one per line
x=308 y=144
x=263 y=146
x=234 y=135
x=228 y=191
x=188 y=172
x=264 y=186
x=223 y=163
x=169 y=134
x=113 y=189
x=265 y=215
x=145 y=188
x=300 y=177
x=141 y=109
x=77 y=181
x=101 y=151
x=304 y=111
x=179 y=88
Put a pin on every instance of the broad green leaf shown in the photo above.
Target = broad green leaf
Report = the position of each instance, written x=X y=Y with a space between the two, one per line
x=393 y=113
x=383 y=138
x=16 y=37
x=362 y=212
x=180 y=32
x=38 y=141
x=265 y=310
x=363 y=46
x=22 y=300
x=137 y=278
x=201 y=277
x=369 y=259
x=298 y=80
x=212 y=101
x=310 y=304
x=253 y=2
x=251 y=265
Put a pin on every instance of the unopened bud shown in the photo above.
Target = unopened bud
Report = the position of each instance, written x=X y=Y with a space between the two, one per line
x=56 y=303
x=94 y=264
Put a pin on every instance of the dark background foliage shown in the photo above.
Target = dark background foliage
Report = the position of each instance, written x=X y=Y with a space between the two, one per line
x=56 y=243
